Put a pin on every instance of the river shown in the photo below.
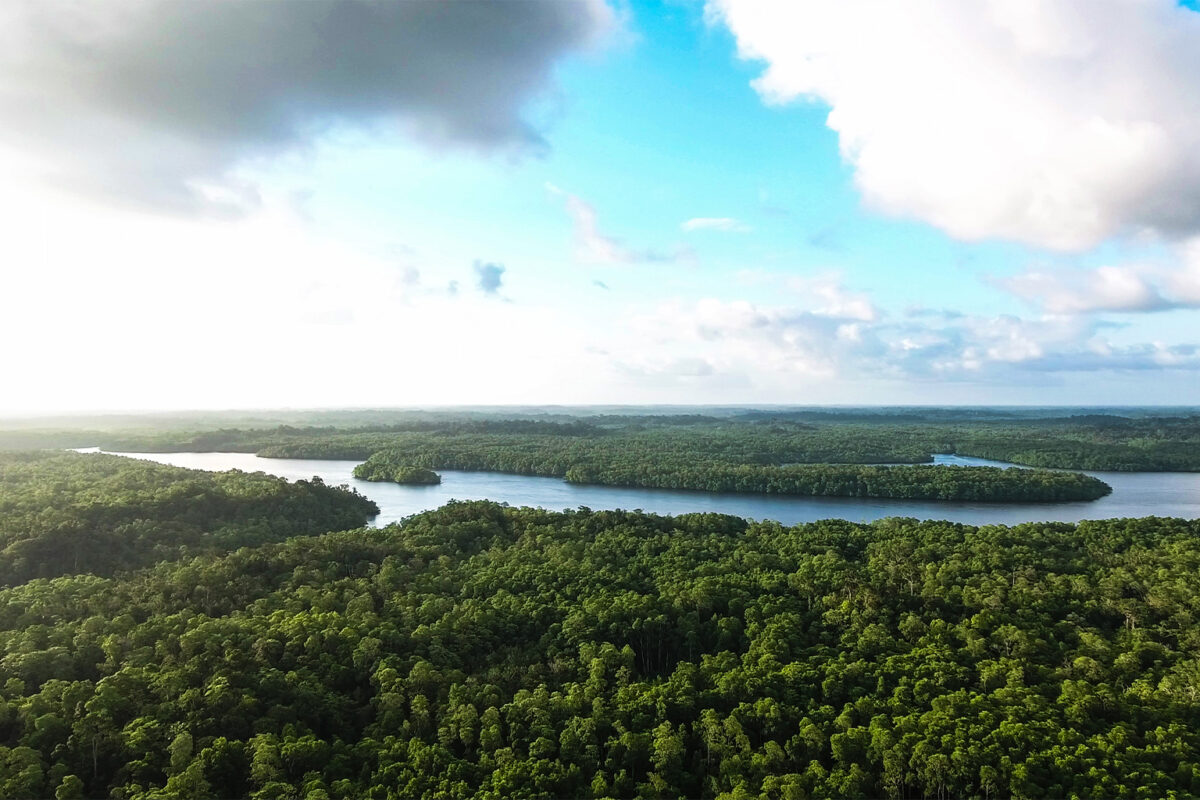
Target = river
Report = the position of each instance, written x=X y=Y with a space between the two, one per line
x=1135 y=494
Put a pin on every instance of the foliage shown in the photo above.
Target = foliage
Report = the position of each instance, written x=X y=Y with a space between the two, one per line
x=490 y=652
x=639 y=468
x=376 y=470
x=1141 y=441
x=63 y=513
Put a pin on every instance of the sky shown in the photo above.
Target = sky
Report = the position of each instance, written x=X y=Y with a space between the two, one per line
x=336 y=203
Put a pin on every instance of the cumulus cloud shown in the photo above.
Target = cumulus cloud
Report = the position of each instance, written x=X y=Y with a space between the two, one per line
x=833 y=299
x=156 y=100
x=593 y=246
x=1053 y=122
x=1120 y=288
x=1102 y=289
x=488 y=277
x=740 y=335
x=728 y=224
x=740 y=338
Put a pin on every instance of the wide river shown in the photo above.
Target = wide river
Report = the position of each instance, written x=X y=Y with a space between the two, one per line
x=1135 y=494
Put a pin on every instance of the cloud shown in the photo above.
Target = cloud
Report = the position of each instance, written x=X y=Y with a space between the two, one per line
x=728 y=224
x=766 y=344
x=833 y=299
x=1053 y=122
x=1120 y=288
x=488 y=277
x=667 y=372
x=157 y=100
x=1102 y=289
x=600 y=285
x=595 y=247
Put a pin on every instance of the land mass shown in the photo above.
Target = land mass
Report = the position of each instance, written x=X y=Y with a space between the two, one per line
x=482 y=651
x=694 y=472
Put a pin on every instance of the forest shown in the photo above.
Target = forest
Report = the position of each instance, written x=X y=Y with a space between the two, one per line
x=1092 y=439
x=64 y=513
x=378 y=469
x=482 y=651
x=642 y=469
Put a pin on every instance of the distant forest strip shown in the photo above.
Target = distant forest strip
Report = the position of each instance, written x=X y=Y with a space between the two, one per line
x=65 y=513
x=479 y=652
x=978 y=484
x=764 y=437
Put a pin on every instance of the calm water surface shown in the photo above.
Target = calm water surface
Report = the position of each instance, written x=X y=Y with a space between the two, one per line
x=1135 y=494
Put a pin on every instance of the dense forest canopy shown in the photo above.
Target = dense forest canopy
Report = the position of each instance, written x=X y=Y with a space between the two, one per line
x=491 y=652
x=63 y=513
x=376 y=469
x=697 y=473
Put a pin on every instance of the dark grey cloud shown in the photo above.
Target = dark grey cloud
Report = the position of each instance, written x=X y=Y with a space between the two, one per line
x=153 y=98
x=488 y=277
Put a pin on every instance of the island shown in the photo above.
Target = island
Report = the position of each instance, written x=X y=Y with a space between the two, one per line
x=591 y=462
x=397 y=473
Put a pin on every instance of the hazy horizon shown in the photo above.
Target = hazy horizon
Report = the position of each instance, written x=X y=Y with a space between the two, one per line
x=566 y=409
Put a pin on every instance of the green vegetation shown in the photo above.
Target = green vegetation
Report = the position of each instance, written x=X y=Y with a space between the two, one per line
x=377 y=470
x=490 y=652
x=1129 y=440
x=645 y=469
x=63 y=513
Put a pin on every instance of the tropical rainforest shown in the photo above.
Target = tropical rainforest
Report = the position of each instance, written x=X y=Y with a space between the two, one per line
x=845 y=453
x=643 y=469
x=493 y=652
x=378 y=469
x=167 y=633
x=64 y=513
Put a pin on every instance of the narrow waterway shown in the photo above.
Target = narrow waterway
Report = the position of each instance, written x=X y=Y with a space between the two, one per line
x=1135 y=494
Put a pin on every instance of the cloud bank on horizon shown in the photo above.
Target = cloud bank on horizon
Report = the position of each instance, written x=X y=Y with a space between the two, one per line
x=1012 y=187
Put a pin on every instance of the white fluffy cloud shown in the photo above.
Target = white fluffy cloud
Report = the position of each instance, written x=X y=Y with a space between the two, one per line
x=1053 y=122
x=1122 y=288
x=814 y=338
x=1102 y=289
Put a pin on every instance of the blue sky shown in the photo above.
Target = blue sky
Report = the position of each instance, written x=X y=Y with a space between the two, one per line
x=658 y=222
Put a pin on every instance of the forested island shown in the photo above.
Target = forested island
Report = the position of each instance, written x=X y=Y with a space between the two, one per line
x=378 y=469
x=481 y=651
x=977 y=484
x=824 y=453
